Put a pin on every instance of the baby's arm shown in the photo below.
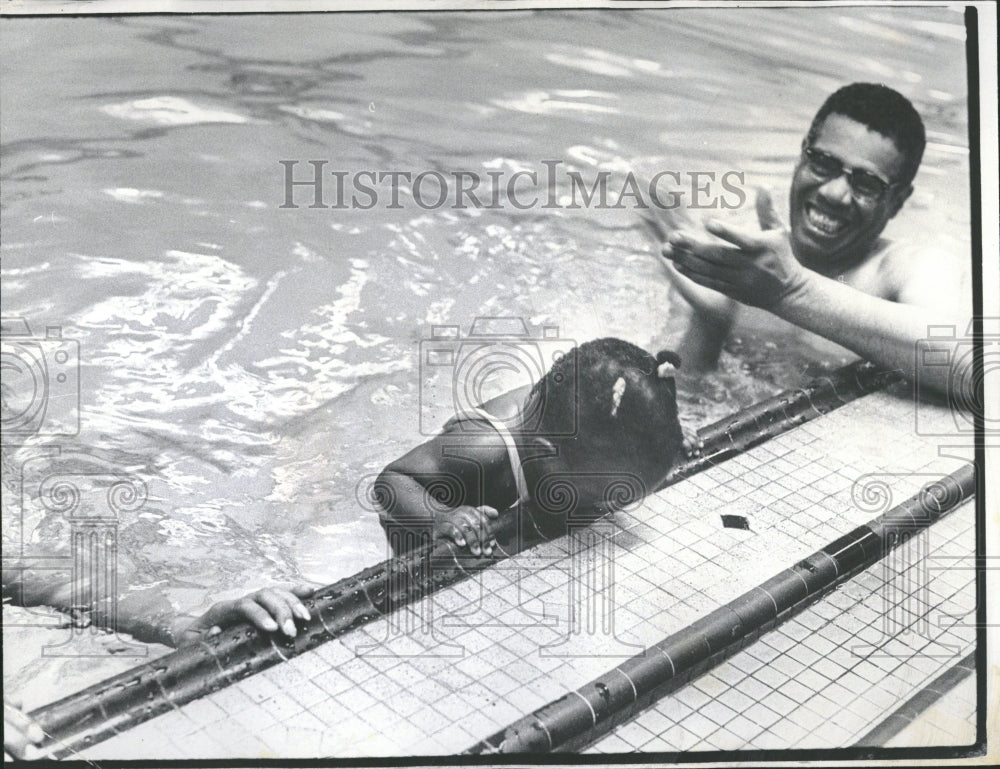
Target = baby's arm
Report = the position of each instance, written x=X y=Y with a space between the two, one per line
x=404 y=491
x=266 y=610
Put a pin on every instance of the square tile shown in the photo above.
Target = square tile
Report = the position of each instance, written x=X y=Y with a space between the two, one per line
x=796 y=691
x=736 y=700
x=204 y=712
x=699 y=725
x=308 y=694
x=779 y=703
x=745 y=728
x=692 y=696
x=672 y=709
x=828 y=668
x=754 y=689
x=332 y=683
x=502 y=713
x=761 y=715
x=729 y=674
x=717 y=712
x=771 y=676
x=406 y=704
x=259 y=687
x=812 y=680
x=634 y=733
x=357 y=669
x=613 y=744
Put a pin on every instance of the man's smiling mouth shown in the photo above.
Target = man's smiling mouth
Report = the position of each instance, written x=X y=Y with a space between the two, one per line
x=823 y=222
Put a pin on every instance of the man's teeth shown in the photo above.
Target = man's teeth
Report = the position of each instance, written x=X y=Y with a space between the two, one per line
x=829 y=225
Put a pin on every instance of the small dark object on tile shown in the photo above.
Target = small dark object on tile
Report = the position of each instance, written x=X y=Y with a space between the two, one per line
x=735 y=522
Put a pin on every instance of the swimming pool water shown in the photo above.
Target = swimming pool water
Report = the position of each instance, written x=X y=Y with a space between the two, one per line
x=255 y=365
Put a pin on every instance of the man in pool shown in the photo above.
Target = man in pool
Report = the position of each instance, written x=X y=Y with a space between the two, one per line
x=599 y=430
x=832 y=273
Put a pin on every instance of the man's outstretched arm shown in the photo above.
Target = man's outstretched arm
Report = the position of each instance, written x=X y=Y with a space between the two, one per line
x=759 y=269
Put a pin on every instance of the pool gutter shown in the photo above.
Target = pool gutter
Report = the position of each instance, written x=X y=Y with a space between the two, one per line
x=586 y=714
x=137 y=695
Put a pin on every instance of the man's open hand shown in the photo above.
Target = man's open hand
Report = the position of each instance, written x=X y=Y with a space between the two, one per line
x=756 y=268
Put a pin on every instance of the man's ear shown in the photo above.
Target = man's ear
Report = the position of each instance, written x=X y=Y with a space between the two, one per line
x=898 y=199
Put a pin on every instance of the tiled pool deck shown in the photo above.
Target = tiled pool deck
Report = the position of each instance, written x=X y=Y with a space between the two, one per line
x=825 y=677
x=949 y=721
x=439 y=675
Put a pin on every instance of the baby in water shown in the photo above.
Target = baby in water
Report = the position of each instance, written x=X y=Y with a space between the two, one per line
x=600 y=426
x=598 y=432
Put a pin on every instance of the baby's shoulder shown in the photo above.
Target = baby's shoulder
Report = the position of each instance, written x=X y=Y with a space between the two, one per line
x=508 y=406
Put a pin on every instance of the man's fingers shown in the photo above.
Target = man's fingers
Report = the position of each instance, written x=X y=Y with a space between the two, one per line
x=692 y=443
x=299 y=609
x=451 y=530
x=485 y=535
x=767 y=217
x=741 y=238
x=706 y=279
x=471 y=527
x=470 y=532
x=473 y=531
x=489 y=520
x=719 y=256
x=675 y=278
x=698 y=264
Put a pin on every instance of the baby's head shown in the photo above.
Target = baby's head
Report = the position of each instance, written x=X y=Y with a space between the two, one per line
x=622 y=403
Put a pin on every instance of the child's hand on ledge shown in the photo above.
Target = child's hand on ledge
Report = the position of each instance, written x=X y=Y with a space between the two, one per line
x=467 y=525
x=21 y=735
x=692 y=444
x=267 y=610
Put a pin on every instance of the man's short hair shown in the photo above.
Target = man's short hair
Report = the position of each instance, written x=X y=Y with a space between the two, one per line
x=883 y=110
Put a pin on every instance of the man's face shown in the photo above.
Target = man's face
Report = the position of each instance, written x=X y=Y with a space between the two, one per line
x=833 y=226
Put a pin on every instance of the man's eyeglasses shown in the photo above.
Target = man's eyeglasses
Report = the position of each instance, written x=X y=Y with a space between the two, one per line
x=865 y=186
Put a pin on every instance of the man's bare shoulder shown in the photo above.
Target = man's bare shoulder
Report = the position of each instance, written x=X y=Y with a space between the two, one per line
x=927 y=273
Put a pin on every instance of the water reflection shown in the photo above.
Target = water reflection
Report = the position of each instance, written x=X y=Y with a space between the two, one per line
x=252 y=363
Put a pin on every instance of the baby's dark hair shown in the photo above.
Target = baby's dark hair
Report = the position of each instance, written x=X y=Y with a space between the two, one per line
x=611 y=392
